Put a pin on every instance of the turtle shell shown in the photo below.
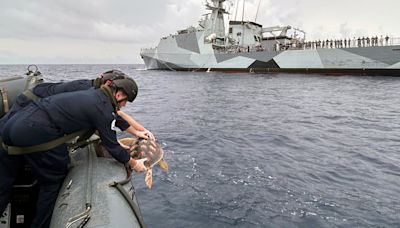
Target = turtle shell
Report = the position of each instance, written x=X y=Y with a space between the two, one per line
x=144 y=148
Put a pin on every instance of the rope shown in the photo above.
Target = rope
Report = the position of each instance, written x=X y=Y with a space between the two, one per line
x=6 y=105
x=135 y=207
x=88 y=194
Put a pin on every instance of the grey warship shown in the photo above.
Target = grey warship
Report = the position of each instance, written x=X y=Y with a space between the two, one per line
x=250 y=47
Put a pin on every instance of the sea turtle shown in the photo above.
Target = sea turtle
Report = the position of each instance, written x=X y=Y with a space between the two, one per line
x=146 y=148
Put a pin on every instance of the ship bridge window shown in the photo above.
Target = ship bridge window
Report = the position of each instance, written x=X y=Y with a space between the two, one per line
x=230 y=30
x=257 y=38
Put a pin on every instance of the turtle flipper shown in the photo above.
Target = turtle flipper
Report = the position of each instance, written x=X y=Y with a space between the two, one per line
x=149 y=149
x=163 y=165
x=149 y=178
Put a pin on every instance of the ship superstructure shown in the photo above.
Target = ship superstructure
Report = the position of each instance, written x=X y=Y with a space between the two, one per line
x=248 y=46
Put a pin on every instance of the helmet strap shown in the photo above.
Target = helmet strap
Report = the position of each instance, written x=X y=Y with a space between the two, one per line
x=108 y=92
x=96 y=83
x=122 y=100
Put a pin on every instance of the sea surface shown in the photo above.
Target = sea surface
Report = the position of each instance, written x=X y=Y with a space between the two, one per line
x=264 y=150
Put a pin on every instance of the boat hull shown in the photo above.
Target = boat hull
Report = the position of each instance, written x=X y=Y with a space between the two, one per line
x=376 y=60
x=88 y=183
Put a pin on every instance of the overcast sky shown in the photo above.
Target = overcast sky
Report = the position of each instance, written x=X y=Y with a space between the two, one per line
x=113 y=31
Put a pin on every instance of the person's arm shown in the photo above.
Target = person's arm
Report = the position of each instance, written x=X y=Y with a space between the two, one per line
x=140 y=134
x=109 y=140
x=123 y=125
x=49 y=89
x=131 y=121
x=140 y=130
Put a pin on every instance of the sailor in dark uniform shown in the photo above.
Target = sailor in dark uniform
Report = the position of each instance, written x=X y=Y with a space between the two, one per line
x=48 y=89
x=10 y=165
x=54 y=116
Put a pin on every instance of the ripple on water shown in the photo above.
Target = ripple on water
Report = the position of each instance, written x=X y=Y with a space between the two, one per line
x=249 y=150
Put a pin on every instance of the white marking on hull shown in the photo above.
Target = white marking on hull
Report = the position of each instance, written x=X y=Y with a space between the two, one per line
x=395 y=66
x=299 y=59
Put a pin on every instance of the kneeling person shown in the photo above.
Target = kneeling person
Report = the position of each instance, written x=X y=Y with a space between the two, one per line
x=53 y=117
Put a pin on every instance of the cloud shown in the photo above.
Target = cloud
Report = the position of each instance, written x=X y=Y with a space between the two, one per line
x=121 y=32
x=103 y=30
x=86 y=20
x=180 y=14
x=58 y=50
x=344 y=30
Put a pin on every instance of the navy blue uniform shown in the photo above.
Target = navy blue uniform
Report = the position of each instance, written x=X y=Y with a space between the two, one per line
x=45 y=90
x=49 y=89
x=9 y=165
x=51 y=118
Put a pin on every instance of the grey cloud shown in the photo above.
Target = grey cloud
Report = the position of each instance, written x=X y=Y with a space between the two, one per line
x=81 y=19
x=344 y=30
x=89 y=27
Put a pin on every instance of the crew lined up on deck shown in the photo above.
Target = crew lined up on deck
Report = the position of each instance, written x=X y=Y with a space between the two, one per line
x=348 y=43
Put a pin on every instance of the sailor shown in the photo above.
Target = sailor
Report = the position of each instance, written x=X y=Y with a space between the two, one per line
x=48 y=89
x=51 y=118
x=9 y=165
x=386 y=40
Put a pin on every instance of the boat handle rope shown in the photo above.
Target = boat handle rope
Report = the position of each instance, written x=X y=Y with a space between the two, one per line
x=135 y=207
x=6 y=105
x=85 y=215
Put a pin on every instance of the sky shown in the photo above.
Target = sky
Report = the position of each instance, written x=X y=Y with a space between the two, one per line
x=114 y=31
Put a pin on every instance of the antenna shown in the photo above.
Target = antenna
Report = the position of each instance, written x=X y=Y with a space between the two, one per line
x=237 y=6
x=244 y=1
x=259 y=2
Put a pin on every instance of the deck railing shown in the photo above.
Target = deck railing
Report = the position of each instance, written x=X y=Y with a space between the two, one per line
x=394 y=41
x=331 y=44
x=345 y=43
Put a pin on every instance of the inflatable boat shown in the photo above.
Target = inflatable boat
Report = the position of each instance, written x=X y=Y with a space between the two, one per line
x=97 y=191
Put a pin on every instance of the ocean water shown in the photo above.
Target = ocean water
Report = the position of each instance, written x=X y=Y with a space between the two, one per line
x=258 y=150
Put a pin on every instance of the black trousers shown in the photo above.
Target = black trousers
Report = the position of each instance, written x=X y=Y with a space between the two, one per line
x=9 y=166
x=32 y=126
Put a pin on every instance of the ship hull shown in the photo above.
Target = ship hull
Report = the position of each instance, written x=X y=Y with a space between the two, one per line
x=376 y=60
x=324 y=71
